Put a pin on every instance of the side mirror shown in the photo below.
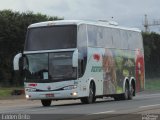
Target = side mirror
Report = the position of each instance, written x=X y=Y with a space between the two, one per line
x=16 y=61
x=75 y=58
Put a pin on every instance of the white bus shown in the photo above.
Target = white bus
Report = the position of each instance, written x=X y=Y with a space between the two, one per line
x=73 y=59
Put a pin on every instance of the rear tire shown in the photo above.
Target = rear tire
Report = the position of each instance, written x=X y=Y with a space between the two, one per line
x=125 y=95
x=131 y=91
x=46 y=103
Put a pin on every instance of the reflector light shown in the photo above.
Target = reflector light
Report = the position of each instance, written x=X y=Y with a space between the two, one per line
x=32 y=84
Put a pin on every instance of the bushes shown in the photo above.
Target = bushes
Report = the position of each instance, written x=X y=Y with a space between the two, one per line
x=152 y=54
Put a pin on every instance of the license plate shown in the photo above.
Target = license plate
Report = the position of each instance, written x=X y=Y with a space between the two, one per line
x=49 y=95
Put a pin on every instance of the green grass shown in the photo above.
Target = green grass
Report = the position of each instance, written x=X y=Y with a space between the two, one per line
x=152 y=84
x=6 y=92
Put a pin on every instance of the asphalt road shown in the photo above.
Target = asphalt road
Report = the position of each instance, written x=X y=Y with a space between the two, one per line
x=145 y=105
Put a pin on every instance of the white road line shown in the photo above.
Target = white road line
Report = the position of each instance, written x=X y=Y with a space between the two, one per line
x=149 y=106
x=105 y=112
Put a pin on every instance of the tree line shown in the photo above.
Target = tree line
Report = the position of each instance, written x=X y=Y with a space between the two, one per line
x=13 y=27
x=151 y=43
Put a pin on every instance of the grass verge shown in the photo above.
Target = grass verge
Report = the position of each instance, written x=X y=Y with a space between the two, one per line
x=7 y=92
x=152 y=84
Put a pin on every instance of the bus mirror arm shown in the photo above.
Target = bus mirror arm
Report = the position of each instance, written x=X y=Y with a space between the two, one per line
x=75 y=58
x=16 y=61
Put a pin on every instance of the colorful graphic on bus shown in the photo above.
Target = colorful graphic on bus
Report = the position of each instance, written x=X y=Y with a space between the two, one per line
x=139 y=70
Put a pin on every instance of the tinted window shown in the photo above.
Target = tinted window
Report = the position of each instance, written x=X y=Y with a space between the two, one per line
x=82 y=48
x=60 y=66
x=100 y=36
x=49 y=67
x=92 y=35
x=82 y=39
x=124 y=39
x=135 y=40
x=117 y=40
x=51 y=37
x=36 y=66
x=107 y=38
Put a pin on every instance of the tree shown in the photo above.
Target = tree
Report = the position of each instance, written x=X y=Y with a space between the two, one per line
x=152 y=55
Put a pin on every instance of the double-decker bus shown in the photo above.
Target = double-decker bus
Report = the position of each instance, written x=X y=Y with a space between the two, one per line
x=74 y=59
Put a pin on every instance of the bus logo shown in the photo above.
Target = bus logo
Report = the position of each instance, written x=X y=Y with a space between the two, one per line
x=96 y=57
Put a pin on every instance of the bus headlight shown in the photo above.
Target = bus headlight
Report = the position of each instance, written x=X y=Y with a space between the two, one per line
x=28 y=96
x=70 y=87
x=74 y=93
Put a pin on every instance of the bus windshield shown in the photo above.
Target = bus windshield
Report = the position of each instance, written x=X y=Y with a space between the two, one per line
x=49 y=67
x=51 y=37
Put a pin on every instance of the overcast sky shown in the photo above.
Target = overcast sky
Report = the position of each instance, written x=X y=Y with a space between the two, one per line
x=126 y=12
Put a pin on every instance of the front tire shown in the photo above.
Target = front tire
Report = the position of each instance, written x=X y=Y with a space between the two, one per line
x=91 y=98
x=46 y=103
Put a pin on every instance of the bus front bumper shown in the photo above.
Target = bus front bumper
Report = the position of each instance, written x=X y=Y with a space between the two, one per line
x=54 y=95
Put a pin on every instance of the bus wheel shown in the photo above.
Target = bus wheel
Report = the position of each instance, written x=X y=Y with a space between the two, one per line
x=131 y=91
x=46 y=102
x=125 y=95
x=91 y=98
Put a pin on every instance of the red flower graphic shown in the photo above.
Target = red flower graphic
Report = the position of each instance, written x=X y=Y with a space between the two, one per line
x=96 y=57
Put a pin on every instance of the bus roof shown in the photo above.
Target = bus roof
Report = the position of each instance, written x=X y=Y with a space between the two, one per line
x=110 y=24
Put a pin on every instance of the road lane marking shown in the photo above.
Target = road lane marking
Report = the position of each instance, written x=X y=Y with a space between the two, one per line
x=149 y=106
x=105 y=112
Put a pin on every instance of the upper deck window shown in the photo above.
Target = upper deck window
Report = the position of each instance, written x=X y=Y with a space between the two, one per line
x=51 y=37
